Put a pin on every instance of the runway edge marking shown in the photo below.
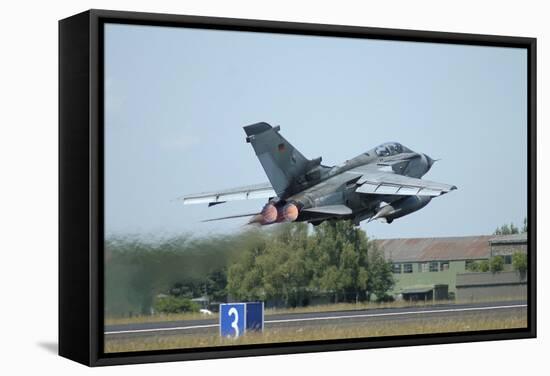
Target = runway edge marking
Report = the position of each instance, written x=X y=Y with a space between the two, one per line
x=326 y=318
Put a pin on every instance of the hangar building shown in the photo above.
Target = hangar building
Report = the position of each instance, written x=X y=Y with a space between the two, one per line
x=428 y=268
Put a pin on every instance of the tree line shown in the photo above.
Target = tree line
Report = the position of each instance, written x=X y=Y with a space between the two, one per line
x=495 y=264
x=510 y=229
x=289 y=265
x=293 y=266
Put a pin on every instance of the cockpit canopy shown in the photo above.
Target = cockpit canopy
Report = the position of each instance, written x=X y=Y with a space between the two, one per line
x=389 y=148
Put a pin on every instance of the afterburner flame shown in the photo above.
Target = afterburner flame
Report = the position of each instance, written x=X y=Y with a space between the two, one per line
x=269 y=213
x=290 y=212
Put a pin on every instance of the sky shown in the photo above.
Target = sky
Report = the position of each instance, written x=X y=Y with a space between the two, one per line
x=176 y=100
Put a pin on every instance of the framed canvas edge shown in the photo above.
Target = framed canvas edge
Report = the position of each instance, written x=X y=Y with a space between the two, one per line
x=74 y=277
x=95 y=204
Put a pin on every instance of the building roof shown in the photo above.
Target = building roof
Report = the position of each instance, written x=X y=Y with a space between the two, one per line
x=436 y=249
x=417 y=289
x=509 y=239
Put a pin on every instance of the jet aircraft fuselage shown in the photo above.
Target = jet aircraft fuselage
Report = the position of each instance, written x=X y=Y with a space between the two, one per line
x=383 y=183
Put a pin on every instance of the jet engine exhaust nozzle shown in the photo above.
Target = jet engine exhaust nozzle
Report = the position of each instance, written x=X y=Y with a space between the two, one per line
x=290 y=212
x=269 y=214
x=272 y=214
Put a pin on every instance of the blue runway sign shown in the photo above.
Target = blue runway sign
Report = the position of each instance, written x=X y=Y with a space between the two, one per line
x=232 y=319
x=237 y=318
x=255 y=316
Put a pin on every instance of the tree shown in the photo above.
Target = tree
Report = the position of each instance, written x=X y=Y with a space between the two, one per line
x=276 y=269
x=215 y=285
x=244 y=278
x=380 y=274
x=339 y=252
x=511 y=229
x=183 y=289
x=174 y=304
x=335 y=252
x=285 y=267
x=292 y=264
x=484 y=266
x=519 y=262
x=506 y=230
x=496 y=264
x=473 y=266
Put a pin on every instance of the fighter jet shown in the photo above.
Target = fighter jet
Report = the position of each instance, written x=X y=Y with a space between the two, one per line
x=380 y=184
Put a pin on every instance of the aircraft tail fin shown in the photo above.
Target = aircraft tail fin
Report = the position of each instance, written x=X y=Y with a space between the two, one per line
x=282 y=162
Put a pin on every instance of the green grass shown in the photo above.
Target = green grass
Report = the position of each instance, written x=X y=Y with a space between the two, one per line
x=365 y=330
x=159 y=318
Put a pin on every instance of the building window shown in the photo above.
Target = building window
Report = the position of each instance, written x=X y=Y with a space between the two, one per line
x=407 y=268
x=508 y=259
x=396 y=268
x=444 y=266
x=434 y=266
x=423 y=267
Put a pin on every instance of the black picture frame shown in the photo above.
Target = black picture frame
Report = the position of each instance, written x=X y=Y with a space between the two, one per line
x=81 y=182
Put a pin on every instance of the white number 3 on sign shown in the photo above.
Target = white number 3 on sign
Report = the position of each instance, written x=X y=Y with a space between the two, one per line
x=235 y=323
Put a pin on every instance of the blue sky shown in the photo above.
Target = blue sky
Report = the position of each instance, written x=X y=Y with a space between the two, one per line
x=176 y=101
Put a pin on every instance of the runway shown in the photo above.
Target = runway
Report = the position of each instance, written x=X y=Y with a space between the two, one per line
x=320 y=319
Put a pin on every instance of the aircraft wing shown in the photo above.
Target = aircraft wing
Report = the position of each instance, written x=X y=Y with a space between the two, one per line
x=389 y=183
x=248 y=192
